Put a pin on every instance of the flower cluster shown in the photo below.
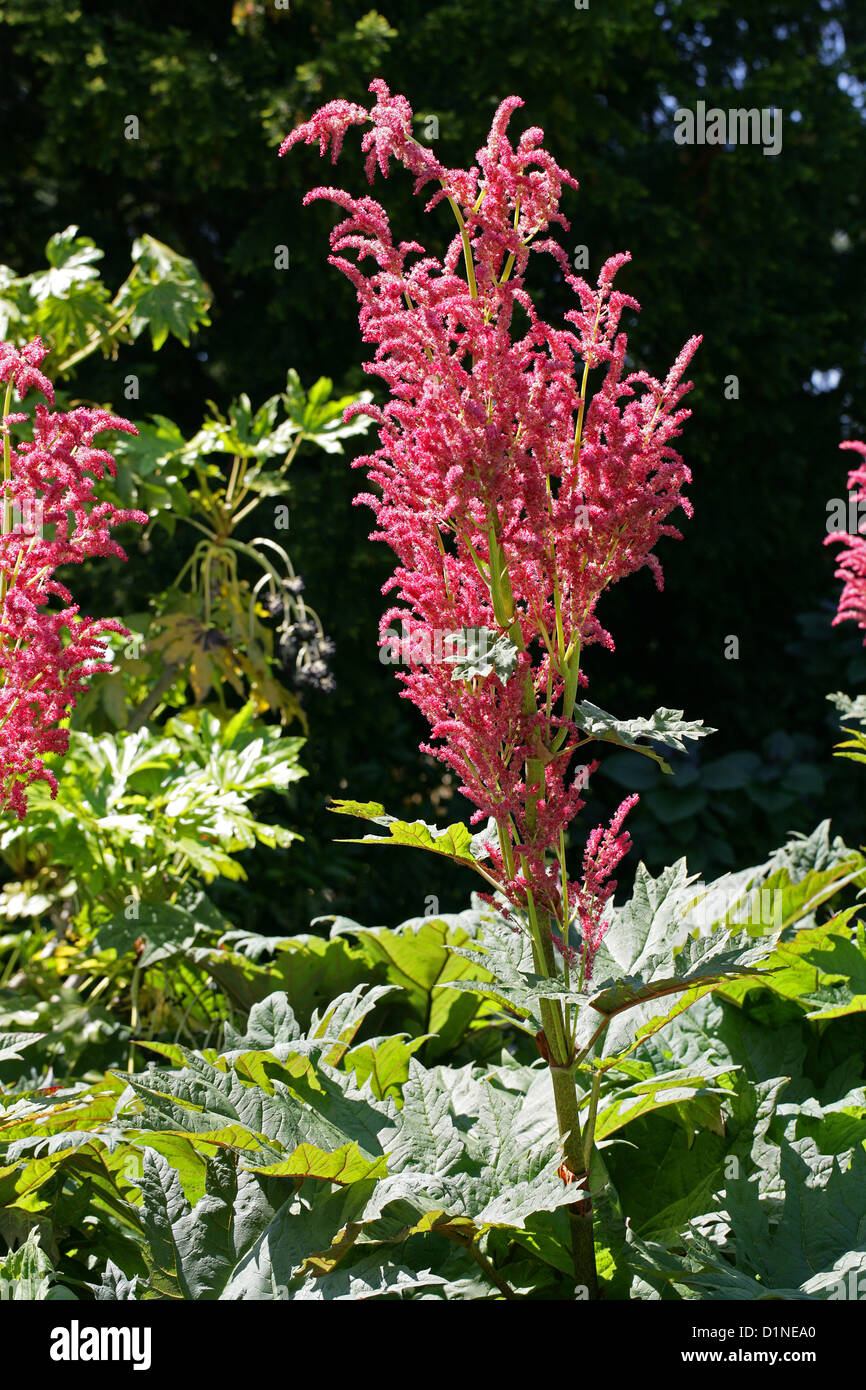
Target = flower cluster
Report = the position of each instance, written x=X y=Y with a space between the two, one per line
x=509 y=499
x=605 y=848
x=852 y=563
x=50 y=517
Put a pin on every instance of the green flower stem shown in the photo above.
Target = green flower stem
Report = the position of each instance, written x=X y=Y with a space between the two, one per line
x=553 y=1024
x=580 y=1211
x=553 y=1021
x=467 y=249
x=589 y=1128
x=563 y=871
x=553 y=1018
x=578 y=431
x=17 y=701
x=464 y=235
x=569 y=696
x=509 y=264
x=502 y=831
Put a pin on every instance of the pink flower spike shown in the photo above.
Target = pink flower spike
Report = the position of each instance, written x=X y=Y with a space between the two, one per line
x=22 y=367
x=852 y=563
x=511 y=496
x=47 y=655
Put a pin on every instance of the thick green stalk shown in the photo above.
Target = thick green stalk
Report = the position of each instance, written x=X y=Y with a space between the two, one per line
x=490 y=1270
x=556 y=1035
x=553 y=1023
x=574 y=1167
x=574 y=1171
x=569 y=696
x=589 y=1135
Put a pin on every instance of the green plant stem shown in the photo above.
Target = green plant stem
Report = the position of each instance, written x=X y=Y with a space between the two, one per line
x=93 y=343
x=569 y=696
x=133 y=1016
x=140 y=716
x=578 y=430
x=580 y=1211
x=589 y=1128
x=9 y=969
x=554 y=1024
x=492 y=1274
x=467 y=250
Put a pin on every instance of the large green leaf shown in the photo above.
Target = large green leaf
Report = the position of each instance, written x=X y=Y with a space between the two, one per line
x=653 y=947
x=71 y=300
x=822 y=968
x=454 y=841
x=27 y=1274
x=665 y=726
x=653 y=962
x=815 y=1248
x=422 y=958
x=384 y=1062
x=225 y=1142
x=11 y=1044
x=505 y=955
x=166 y=294
x=318 y=417
x=193 y=1250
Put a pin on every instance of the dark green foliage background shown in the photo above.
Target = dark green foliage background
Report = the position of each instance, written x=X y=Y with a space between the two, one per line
x=729 y=243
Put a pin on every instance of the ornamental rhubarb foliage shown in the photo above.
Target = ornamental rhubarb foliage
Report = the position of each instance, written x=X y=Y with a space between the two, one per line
x=511 y=501
x=50 y=517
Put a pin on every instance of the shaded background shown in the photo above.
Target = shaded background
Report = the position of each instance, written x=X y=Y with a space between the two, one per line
x=763 y=255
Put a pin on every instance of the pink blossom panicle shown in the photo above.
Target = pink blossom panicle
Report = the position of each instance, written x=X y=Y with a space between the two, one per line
x=51 y=517
x=605 y=848
x=852 y=562
x=480 y=467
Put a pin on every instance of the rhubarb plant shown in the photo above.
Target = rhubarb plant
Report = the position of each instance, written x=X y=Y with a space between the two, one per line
x=325 y=1153
x=512 y=496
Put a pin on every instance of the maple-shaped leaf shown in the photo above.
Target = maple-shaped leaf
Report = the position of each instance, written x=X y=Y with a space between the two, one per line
x=166 y=293
x=452 y=841
x=479 y=653
x=665 y=726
